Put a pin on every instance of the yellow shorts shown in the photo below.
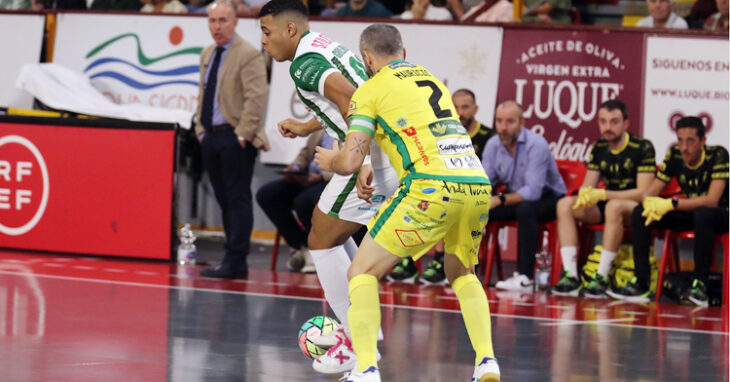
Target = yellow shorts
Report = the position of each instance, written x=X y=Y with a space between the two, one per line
x=424 y=211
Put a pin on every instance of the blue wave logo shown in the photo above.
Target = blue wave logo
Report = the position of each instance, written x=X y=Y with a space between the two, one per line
x=172 y=76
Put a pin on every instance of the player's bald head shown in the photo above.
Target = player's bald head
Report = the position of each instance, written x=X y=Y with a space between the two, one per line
x=382 y=40
x=511 y=107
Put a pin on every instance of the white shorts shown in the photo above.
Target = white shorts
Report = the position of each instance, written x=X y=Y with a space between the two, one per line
x=339 y=199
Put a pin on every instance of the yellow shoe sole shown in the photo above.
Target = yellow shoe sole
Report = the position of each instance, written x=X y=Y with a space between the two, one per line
x=489 y=377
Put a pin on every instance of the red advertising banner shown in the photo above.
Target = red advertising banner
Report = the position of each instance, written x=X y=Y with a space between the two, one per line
x=88 y=190
x=561 y=77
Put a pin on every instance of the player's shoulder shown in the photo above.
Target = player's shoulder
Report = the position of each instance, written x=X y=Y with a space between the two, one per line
x=717 y=153
x=639 y=142
x=601 y=145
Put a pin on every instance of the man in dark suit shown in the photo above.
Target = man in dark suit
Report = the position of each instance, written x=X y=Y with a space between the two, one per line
x=232 y=99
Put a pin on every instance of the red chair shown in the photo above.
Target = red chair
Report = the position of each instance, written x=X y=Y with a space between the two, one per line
x=573 y=174
x=670 y=253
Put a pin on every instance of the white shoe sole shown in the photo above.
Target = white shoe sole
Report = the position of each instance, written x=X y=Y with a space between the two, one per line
x=700 y=303
x=574 y=292
x=621 y=297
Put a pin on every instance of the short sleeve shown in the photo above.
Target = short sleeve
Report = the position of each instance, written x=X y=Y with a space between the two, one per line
x=720 y=167
x=668 y=168
x=309 y=72
x=362 y=112
x=648 y=159
x=594 y=164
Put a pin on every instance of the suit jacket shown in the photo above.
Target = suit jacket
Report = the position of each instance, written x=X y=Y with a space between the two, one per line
x=242 y=90
x=306 y=154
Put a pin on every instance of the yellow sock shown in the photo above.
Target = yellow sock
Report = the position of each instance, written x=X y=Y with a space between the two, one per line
x=364 y=319
x=475 y=310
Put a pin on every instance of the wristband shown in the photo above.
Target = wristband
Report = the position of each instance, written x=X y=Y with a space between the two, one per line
x=502 y=199
x=675 y=203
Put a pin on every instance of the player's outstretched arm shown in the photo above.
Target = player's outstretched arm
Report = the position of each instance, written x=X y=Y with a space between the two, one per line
x=291 y=128
x=347 y=160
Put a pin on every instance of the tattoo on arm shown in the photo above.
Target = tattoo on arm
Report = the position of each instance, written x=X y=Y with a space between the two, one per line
x=359 y=145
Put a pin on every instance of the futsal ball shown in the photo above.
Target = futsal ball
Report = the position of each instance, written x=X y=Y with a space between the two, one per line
x=315 y=326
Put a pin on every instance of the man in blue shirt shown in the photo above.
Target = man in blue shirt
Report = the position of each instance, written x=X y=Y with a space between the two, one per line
x=521 y=160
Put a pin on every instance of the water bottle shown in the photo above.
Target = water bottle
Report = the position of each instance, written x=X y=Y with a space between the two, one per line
x=543 y=260
x=186 y=251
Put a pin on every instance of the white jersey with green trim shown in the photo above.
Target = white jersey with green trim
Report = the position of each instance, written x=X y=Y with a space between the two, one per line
x=315 y=59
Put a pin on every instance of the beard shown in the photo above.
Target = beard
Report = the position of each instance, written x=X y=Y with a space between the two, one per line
x=466 y=122
x=508 y=140
x=611 y=138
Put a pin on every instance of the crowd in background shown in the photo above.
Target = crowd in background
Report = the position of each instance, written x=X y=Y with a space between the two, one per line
x=704 y=14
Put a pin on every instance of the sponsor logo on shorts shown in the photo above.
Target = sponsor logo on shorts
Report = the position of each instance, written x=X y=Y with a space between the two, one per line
x=418 y=223
x=366 y=208
x=423 y=205
x=378 y=199
x=454 y=145
x=464 y=188
x=409 y=237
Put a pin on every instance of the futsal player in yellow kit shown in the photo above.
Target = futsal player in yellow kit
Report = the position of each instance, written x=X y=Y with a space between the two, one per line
x=444 y=193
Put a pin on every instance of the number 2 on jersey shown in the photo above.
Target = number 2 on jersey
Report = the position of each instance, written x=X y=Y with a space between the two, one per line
x=435 y=98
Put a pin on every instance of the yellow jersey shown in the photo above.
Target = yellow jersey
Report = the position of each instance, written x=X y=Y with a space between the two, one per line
x=411 y=116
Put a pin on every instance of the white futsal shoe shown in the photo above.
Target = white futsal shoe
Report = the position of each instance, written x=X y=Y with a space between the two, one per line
x=516 y=283
x=331 y=339
x=371 y=374
x=486 y=371
x=339 y=358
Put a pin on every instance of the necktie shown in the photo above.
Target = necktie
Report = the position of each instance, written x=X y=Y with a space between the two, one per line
x=206 y=111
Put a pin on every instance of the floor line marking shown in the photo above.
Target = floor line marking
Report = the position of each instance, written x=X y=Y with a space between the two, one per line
x=590 y=322
x=670 y=315
x=626 y=312
x=146 y=273
x=717 y=319
x=319 y=299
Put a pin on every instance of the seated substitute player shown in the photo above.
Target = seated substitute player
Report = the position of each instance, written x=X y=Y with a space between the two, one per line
x=626 y=164
x=702 y=174
x=326 y=74
x=466 y=107
x=444 y=194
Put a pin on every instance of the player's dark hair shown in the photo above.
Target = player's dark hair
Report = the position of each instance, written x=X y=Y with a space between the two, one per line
x=692 y=122
x=614 y=104
x=381 y=39
x=468 y=92
x=277 y=7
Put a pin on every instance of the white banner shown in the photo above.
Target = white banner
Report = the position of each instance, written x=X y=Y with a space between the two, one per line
x=24 y=48
x=151 y=60
x=460 y=56
x=685 y=76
